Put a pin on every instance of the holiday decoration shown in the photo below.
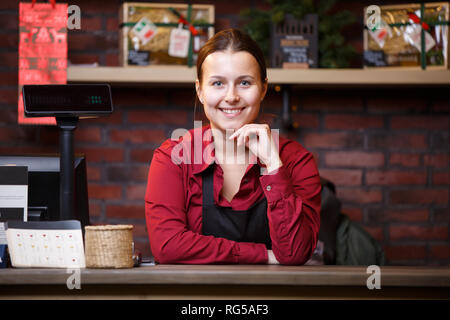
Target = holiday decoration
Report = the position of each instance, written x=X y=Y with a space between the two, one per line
x=159 y=33
x=42 y=49
x=409 y=35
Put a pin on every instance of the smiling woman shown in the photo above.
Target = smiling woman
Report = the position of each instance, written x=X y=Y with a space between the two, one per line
x=256 y=198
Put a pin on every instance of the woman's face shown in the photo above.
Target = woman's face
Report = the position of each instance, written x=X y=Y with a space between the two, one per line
x=231 y=90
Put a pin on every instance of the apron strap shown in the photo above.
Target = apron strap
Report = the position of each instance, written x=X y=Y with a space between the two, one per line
x=208 y=186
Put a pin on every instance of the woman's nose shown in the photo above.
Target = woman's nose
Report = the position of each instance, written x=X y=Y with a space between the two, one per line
x=232 y=95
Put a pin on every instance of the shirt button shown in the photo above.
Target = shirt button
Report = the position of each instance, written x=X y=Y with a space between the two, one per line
x=268 y=188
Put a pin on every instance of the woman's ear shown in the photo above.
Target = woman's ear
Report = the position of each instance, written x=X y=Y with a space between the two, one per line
x=198 y=90
x=264 y=89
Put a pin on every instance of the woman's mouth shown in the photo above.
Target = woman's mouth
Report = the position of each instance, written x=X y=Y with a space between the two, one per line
x=231 y=112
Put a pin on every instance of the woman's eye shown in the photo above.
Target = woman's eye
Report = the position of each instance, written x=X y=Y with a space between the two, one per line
x=217 y=83
x=245 y=83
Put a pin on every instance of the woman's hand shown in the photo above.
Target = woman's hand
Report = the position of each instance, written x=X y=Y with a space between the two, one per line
x=259 y=140
x=271 y=258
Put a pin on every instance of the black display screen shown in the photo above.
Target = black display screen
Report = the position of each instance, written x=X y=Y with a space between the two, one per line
x=70 y=99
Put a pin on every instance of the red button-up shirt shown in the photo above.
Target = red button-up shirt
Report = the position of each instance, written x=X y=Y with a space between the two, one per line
x=173 y=203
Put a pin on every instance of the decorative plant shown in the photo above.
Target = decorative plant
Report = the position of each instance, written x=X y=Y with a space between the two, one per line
x=333 y=52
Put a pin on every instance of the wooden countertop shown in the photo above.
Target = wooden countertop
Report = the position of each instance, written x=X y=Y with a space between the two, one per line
x=395 y=276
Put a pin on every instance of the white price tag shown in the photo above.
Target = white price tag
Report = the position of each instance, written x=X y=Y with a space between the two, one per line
x=144 y=30
x=179 y=43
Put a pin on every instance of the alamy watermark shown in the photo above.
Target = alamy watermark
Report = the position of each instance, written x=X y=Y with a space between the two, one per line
x=74 y=17
x=373 y=17
x=74 y=280
x=374 y=280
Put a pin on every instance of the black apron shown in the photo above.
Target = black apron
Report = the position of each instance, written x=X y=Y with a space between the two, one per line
x=238 y=225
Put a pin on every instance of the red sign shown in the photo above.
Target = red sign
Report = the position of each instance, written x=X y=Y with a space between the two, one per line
x=42 y=49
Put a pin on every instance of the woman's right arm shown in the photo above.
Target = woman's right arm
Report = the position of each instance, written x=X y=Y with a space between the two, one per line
x=170 y=240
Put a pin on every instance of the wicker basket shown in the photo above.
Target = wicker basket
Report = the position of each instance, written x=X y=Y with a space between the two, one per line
x=109 y=246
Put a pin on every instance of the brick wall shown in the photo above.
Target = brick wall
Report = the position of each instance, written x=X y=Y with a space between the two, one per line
x=387 y=150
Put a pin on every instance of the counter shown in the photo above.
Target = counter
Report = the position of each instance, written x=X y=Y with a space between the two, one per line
x=228 y=282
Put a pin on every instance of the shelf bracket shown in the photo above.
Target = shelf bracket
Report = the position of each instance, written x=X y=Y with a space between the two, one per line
x=286 y=118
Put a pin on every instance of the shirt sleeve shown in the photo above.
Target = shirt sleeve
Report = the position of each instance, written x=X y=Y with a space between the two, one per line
x=293 y=197
x=170 y=239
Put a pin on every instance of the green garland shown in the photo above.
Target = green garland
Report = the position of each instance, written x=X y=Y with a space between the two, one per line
x=333 y=52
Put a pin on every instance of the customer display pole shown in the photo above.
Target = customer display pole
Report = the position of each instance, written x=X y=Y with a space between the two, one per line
x=67 y=126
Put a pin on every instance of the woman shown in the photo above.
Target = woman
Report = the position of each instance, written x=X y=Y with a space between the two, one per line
x=232 y=191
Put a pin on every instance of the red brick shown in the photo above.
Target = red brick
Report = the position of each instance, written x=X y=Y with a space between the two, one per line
x=91 y=24
x=437 y=160
x=345 y=121
x=136 y=192
x=442 y=214
x=93 y=7
x=441 y=178
x=353 y=195
x=138 y=135
x=85 y=134
x=125 y=97
x=376 y=177
x=380 y=215
x=421 y=196
x=114 y=118
x=9 y=40
x=95 y=209
x=93 y=173
x=184 y=98
x=376 y=232
x=90 y=41
x=421 y=122
x=100 y=154
x=18 y=134
x=140 y=231
x=389 y=140
x=103 y=192
x=409 y=232
x=142 y=155
x=8 y=78
x=9 y=22
x=137 y=173
x=355 y=214
x=10 y=59
x=331 y=102
x=305 y=120
x=405 y=159
x=49 y=135
x=83 y=58
x=158 y=116
x=112 y=60
x=405 y=252
x=273 y=100
x=342 y=176
x=333 y=140
x=441 y=105
x=354 y=159
x=8 y=115
x=9 y=96
x=112 y=24
x=392 y=104
x=440 y=251
x=125 y=211
x=29 y=149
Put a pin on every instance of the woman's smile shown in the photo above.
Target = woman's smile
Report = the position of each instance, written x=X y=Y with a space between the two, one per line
x=231 y=112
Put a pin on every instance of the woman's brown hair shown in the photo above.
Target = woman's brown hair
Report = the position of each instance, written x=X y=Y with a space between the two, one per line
x=234 y=40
